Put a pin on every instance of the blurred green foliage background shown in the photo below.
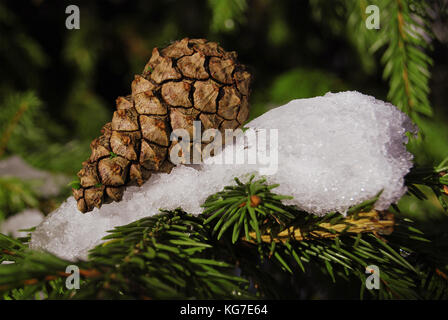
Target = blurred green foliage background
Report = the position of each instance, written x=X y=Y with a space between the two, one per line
x=68 y=80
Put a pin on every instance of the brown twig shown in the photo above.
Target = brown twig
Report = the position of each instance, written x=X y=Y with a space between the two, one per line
x=370 y=221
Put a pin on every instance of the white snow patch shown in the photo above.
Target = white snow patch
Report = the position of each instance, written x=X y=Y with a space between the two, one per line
x=26 y=219
x=335 y=151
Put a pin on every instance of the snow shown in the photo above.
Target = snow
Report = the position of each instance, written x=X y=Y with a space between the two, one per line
x=334 y=152
x=26 y=219
x=46 y=184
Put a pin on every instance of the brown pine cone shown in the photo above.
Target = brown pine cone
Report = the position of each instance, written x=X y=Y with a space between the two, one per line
x=191 y=79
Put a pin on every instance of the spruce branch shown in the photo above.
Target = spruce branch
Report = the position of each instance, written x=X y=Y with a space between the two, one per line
x=15 y=195
x=372 y=221
x=406 y=62
x=253 y=211
x=405 y=34
x=342 y=247
x=8 y=131
x=246 y=207
x=170 y=250
x=413 y=63
x=435 y=178
x=362 y=39
x=177 y=255
x=13 y=112
x=158 y=257
x=403 y=271
x=26 y=130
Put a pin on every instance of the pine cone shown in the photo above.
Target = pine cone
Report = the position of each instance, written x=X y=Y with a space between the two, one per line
x=191 y=79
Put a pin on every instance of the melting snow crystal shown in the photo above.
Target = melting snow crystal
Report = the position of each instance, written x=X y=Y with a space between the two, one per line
x=334 y=152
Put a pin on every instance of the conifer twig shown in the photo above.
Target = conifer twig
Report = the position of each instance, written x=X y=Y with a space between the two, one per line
x=10 y=128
